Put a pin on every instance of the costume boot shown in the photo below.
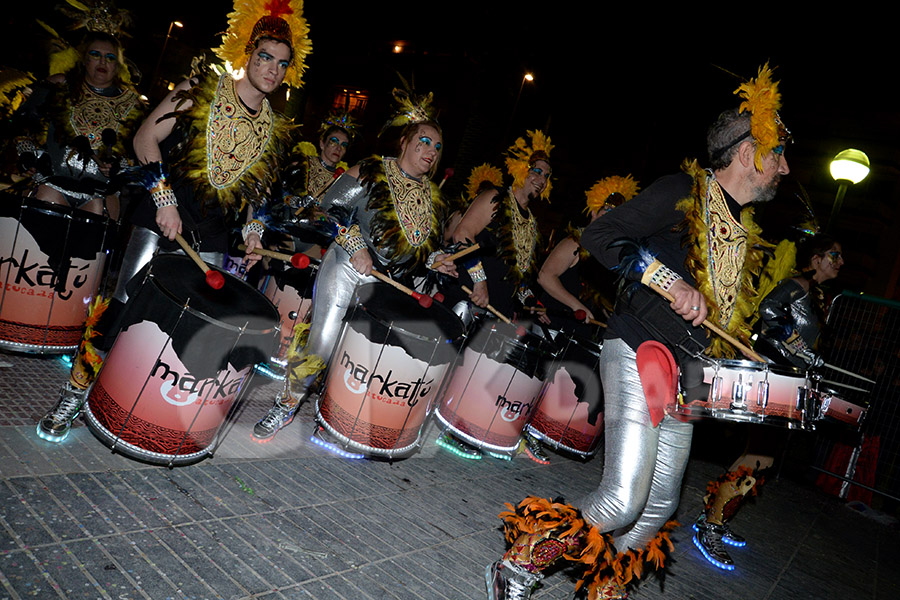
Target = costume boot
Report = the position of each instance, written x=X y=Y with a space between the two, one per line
x=519 y=571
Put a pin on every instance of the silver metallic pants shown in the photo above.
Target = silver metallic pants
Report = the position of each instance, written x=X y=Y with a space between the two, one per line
x=643 y=466
x=332 y=296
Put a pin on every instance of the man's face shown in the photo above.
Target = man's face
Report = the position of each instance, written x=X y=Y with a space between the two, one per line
x=100 y=64
x=765 y=182
x=267 y=65
x=334 y=147
x=537 y=178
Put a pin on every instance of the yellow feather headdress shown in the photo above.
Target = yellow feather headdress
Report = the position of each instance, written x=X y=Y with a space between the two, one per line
x=481 y=174
x=599 y=194
x=763 y=101
x=410 y=108
x=341 y=119
x=280 y=19
x=97 y=16
x=521 y=156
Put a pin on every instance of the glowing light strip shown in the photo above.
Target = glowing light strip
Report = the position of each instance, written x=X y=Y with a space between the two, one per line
x=706 y=555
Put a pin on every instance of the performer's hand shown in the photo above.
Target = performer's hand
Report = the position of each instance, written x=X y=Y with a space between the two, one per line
x=169 y=221
x=362 y=262
x=688 y=302
x=252 y=242
x=447 y=268
x=588 y=315
x=543 y=318
x=479 y=295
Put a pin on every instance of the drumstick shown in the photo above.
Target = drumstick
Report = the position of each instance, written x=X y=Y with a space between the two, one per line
x=214 y=279
x=493 y=310
x=580 y=315
x=455 y=255
x=846 y=372
x=425 y=300
x=298 y=260
x=749 y=353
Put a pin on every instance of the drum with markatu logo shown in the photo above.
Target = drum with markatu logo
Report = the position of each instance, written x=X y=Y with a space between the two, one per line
x=182 y=357
x=290 y=290
x=494 y=390
x=387 y=371
x=52 y=260
x=569 y=415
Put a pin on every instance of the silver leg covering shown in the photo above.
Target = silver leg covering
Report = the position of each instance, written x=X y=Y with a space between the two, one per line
x=643 y=466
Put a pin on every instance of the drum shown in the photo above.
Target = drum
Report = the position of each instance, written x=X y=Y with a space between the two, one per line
x=51 y=265
x=569 y=415
x=746 y=391
x=833 y=407
x=181 y=359
x=495 y=386
x=290 y=290
x=386 y=371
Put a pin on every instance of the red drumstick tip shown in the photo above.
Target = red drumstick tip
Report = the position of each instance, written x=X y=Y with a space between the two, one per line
x=439 y=297
x=214 y=279
x=338 y=172
x=580 y=315
x=425 y=301
x=520 y=331
x=299 y=261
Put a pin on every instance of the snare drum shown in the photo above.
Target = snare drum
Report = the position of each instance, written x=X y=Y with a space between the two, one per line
x=290 y=290
x=569 y=415
x=494 y=390
x=752 y=392
x=386 y=371
x=51 y=265
x=833 y=407
x=181 y=359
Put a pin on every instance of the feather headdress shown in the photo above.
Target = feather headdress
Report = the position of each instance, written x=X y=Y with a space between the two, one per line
x=599 y=195
x=763 y=101
x=97 y=16
x=341 y=119
x=279 y=19
x=521 y=157
x=411 y=108
x=480 y=175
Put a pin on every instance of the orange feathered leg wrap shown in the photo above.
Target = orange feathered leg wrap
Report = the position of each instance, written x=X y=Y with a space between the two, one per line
x=86 y=364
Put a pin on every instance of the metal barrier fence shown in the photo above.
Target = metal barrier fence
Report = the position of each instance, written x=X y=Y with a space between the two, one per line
x=865 y=334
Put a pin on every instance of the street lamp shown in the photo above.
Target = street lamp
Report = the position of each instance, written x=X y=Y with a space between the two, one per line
x=526 y=77
x=847 y=167
x=178 y=24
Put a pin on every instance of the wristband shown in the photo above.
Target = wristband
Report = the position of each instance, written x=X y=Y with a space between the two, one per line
x=660 y=275
x=255 y=226
x=163 y=195
x=476 y=272
x=350 y=239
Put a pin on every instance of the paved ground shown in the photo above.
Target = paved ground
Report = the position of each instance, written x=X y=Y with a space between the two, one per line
x=287 y=520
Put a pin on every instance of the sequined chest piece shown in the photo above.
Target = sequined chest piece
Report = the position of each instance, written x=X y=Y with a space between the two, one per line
x=235 y=139
x=727 y=243
x=318 y=176
x=524 y=235
x=94 y=113
x=412 y=201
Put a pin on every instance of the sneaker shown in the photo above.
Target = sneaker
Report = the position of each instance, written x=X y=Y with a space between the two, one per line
x=507 y=582
x=457 y=447
x=55 y=425
x=278 y=416
x=534 y=449
x=729 y=537
x=709 y=541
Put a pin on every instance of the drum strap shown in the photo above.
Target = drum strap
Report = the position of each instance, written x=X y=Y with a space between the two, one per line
x=659 y=378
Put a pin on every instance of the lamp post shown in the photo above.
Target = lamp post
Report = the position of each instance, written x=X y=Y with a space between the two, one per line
x=847 y=167
x=526 y=77
x=178 y=24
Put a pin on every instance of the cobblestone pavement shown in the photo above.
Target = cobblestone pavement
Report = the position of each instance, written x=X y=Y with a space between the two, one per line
x=288 y=520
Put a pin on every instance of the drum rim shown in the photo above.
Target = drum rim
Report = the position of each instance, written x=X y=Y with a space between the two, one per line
x=749 y=365
x=543 y=345
x=417 y=336
x=62 y=210
x=203 y=316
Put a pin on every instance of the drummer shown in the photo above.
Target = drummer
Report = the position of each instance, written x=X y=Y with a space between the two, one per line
x=193 y=190
x=793 y=314
x=646 y=450
x=367 y=202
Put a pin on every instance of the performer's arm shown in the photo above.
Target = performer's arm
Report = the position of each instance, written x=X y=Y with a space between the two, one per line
x=349 y=237
x=146 y=146
x=563 y=257
x=476 y=219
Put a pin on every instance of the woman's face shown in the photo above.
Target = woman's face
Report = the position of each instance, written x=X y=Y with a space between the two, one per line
x=828 y=266
x=100 y=64
x=421 y=151
x=334 y=147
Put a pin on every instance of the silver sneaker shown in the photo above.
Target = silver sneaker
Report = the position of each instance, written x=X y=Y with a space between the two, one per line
x=504 y=581
x=55 y=425
x=278 y=416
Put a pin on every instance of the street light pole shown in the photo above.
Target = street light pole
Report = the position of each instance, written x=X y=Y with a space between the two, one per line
x=847 y=167
x=526 y=77
x=161 y=54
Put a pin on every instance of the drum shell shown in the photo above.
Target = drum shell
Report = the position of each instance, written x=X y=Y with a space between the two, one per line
x=52 y=260
x=569 y=416
x=833 y=407
x=291 y=293
x=384 y=375
x=174 y=371
x=494 y=389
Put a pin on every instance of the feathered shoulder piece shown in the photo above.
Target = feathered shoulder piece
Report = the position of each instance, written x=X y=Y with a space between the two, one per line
x=763 y=101
x=522 y=155
x=279 y=19
x=601 y=193
x=480 y=177
x=13 y=90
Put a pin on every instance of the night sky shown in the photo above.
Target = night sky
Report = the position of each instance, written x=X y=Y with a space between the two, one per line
x=620 y=90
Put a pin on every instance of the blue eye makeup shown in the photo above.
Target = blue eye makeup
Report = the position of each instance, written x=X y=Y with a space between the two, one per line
x=779 y=149
x=538 y=171
x=97 y=55
x=338 y=142
x=427 y=141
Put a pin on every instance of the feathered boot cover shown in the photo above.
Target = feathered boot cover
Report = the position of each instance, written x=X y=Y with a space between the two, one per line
x=725 y=494
x=87 y=362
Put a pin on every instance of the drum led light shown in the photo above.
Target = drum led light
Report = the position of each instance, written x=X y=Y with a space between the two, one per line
x=268 y=372
x=456 y=451
x=333 y=448
x=500 y=456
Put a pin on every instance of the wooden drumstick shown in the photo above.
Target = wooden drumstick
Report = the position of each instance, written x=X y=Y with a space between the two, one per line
x=214 y=279
x=451 y=257
x=425 y=301
x=493 y=310
x=748 y=352
x=580 y=315
x=298 y=260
